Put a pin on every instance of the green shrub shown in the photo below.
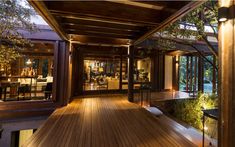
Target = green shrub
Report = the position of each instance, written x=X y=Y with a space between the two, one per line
x=190 y=110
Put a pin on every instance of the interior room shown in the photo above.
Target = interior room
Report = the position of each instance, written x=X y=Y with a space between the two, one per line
x=118 y=73
x=30 y=76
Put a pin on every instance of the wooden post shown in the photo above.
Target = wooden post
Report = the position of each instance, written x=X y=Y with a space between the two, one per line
x=77 y=71
x=61 y=69
x=200 y=73
x=191 y=74
x=154 y=64
x=175 y=74
x=158 y=71
x=214 y=76
x=55 y=66
x=130 y=73
x=195 y=75
x=187 y=63
x=227 y=76
x=120 y=74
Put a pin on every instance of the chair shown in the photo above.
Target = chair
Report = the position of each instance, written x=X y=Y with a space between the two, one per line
x=25 y=88
x=13 y=89
x=102 y=83
x=48 y=91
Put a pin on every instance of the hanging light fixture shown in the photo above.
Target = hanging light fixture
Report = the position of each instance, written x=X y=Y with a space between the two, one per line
x=28 y=62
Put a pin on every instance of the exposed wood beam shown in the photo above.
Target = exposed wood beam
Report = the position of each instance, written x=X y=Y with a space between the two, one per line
x=101 y=58
x=99 y=34
x=99 y=18
x=99 y=53
x=81 y=39
x=156 y=6
x=172 y=5
x=183 y=11
x=78 y=21
x=40 y=7
x=99 y=28
x=109 y=10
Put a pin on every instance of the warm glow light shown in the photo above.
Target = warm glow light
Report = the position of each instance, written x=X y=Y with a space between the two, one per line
x=28 y=62
x=176 y=59
x=205 y=128
x=225 y=3
x=2 y=69
x=223 y=19
x=223 y=14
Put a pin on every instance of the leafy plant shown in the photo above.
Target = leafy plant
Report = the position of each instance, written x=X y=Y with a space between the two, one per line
x=190 y=29
x=190 y=110
x=13 y=16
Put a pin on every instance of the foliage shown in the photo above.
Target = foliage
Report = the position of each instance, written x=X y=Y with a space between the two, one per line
x=208 y=73
x=191 y=28
x=190 y=110
x=183 y=70
x=13 y=17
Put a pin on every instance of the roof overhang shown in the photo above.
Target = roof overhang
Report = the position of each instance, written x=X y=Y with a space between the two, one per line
x=110 y=22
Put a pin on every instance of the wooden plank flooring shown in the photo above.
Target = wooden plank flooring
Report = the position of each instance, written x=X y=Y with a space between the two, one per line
x=105 y=121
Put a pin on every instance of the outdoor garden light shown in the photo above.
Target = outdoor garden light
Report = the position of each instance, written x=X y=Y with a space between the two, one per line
x=223 y=14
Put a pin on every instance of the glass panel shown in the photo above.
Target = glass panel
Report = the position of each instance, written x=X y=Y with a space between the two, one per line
x=143 y=73
x=101 y=74
x=182 y=73
x=208 y=75
x=29 y=77
x=188 y=73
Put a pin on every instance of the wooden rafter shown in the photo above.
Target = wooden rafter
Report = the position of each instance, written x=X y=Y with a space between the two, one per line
x=109 y=10
x=98 y=34
x=82 y=39
x=100 y=18
x=187 y=8
x=99 y=28
x=110 y=21
x=156 y=6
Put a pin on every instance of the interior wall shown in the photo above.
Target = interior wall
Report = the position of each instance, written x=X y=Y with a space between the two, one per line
x=168 y=72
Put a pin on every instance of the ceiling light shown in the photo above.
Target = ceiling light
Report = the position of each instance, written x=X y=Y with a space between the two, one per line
x=28 y=62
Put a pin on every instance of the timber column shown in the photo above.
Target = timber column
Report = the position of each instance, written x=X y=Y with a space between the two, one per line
x=227 y=75
x=130 y=73
x=60 y=89
x=175 y=73
x=120 y=73
x=200 y=74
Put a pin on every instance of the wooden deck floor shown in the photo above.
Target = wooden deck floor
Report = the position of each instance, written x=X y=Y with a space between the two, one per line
x=105 y=121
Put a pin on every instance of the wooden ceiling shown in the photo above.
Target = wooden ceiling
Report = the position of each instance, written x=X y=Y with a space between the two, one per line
x=110 y=22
